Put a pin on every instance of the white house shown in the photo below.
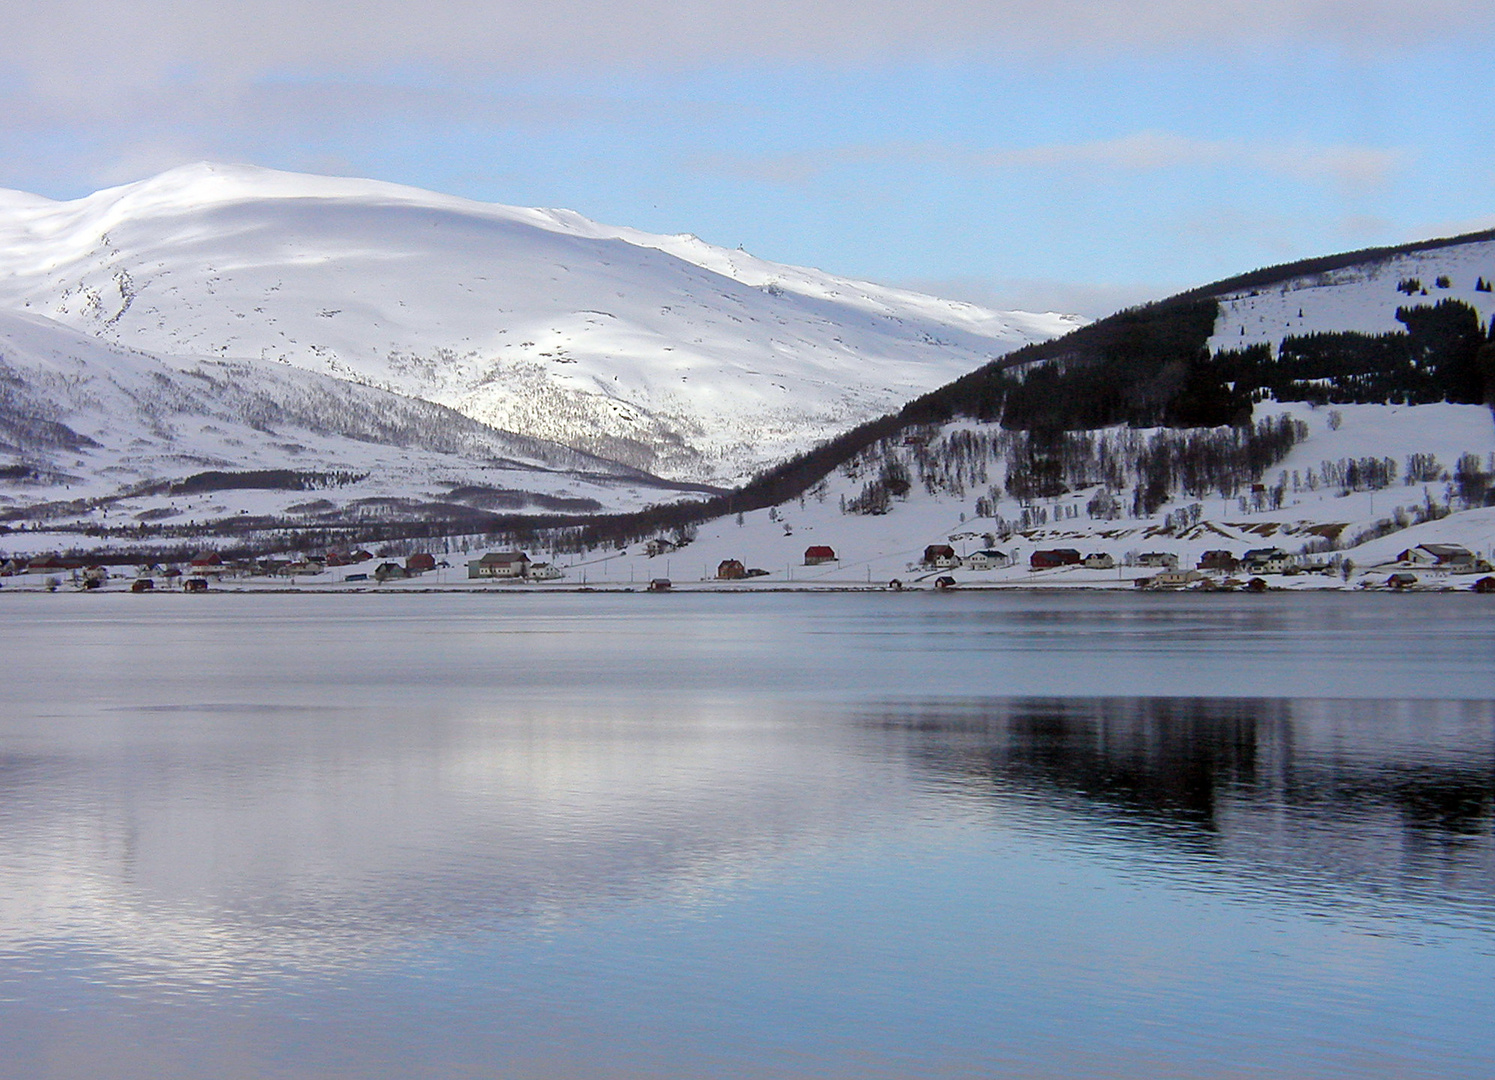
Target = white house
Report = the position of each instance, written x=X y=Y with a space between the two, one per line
x=499 y=564
x=544 y=571
x=988 y=559
x=1265 y=561
x=1174 y=579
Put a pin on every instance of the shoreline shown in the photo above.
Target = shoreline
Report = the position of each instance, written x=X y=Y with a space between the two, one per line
x=253 y=588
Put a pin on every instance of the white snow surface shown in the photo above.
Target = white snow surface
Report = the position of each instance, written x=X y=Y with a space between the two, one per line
x=99 y=426
x=1361 y=298
x=662 y=352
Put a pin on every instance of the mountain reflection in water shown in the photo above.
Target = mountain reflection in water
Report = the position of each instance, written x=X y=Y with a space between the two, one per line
x=1389 y=795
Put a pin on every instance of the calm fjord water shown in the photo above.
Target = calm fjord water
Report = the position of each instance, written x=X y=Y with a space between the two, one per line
x=747 y=836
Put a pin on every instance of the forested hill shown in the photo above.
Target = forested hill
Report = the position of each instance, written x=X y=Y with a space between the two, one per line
x=1407 y=324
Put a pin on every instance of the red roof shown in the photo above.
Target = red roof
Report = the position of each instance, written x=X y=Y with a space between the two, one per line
x=819 y=551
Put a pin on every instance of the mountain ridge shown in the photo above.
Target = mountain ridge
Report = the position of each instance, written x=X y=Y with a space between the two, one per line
x=663 y=352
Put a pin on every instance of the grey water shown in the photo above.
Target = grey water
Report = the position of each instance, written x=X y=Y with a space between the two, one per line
x=856 y=835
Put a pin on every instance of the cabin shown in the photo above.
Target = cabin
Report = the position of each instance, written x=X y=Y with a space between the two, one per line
x=816 y=554
x=1158 y=560
x=986 y=559
x=660 y=584
x=944 y=584
x=659 y=546
x=1050 y=558
x=390 y=571
x=1265 y=561
x=1484 y=585
x=940 y=555
x=499 y=564
x=1401 y=581
x=1219 y=561
x=195 y=584
x=730 y=570
x=1446 y=556
x=1175 y=579
x=420 y=562
x=144 y=584
x=1099 y=560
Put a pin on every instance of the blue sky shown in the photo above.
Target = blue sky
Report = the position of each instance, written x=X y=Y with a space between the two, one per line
x=1074 y=154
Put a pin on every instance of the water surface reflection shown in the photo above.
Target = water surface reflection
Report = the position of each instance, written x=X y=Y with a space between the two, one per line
x=1388 y=796
x=756 y=836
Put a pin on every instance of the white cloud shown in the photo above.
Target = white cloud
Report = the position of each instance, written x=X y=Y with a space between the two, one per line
x=97 y=55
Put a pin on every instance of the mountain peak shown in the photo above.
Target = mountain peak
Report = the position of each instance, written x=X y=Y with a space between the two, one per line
x=665 y=352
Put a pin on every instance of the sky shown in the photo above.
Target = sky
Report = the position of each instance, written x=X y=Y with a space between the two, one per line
x=1073 y=155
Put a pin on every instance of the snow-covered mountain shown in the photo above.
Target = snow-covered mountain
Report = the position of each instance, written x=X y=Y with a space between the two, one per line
x=665 y=353
x=93 y=434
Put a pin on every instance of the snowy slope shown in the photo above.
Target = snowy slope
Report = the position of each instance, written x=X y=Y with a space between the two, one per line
x=82 y=421
x=873 y=549
x=662 y=352
x=1362 y=297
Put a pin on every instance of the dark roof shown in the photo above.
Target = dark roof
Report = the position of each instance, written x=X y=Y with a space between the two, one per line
x=1443 y=551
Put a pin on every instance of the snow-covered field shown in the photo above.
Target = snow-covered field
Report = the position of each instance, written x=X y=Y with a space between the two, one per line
x=662 y=352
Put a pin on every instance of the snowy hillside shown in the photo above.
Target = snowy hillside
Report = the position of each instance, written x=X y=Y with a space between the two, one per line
x=665 y=353
x=95 y=434
x=1362 y=297
x=959 y=494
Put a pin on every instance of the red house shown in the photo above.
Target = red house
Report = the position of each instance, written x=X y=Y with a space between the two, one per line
x=1052 y=557
x=730 y=570
x=816 y=554
x=420 y=562
x=1219 y=560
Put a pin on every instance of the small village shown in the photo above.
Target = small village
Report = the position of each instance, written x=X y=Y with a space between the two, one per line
x=1424 y=567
